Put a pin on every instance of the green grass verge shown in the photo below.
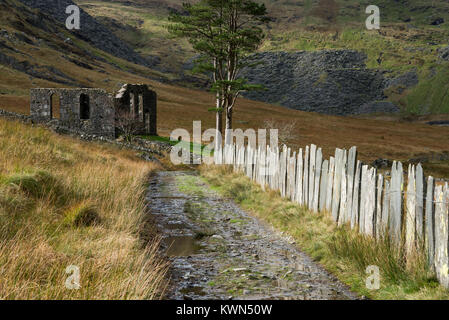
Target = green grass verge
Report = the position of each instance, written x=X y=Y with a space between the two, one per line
x=192 y=146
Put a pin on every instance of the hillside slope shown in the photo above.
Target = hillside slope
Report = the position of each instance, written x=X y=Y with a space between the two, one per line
x=38 y=51
x=412 y=32
x=43 y=53
x=65 y=203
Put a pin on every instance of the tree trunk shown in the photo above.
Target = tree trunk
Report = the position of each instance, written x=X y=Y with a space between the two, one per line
x=228 y=128
x=218 y=124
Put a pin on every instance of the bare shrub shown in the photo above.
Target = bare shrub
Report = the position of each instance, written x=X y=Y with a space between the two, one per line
x=128 y=125
x=286 y=129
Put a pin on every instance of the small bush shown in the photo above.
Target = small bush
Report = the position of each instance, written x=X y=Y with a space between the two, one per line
x=81 y=215
x=36 y=184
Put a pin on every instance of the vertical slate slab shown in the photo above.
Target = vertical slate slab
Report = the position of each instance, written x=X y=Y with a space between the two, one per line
x=248 y=162
x=312 y=165
x=267 y=166
x=293 y=176
x=283 y=176
x=363 y=190
x=262 y=168
x=273 y=168
x=419 y=181
x=441 y=235
x=277 y=169
x=430 y=221
x=379 y=189
x=330 y=184
x=410 y=213
x=316 y=191
x=256 y=164
x=323 y=185
x=299 y=178
x=343 y=190
x=279 y=176
x=306 y=177
x=370 y=214
x=336 y=190
x=385 y=208
x=396 y=187
x=356 y=196
x=352 y=158
x=288 y=174
x=368 y=200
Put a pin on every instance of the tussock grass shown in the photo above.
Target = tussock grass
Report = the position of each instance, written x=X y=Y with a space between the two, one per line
x=83 y=214
x=64 y=202
x=341 y=250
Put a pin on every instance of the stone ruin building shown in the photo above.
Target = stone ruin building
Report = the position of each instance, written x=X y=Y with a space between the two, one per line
x=95 y=111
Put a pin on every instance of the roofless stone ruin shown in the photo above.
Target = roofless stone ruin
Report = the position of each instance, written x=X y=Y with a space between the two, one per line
x=95 y=111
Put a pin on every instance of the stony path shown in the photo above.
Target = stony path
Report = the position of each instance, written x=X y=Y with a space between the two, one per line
x=218 y=251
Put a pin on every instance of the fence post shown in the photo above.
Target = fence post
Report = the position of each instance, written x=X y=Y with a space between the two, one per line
x=283 y=179
x=356 y=196
x=352 y=158
x=306 y=178
x=410 y=213
x=386 y=207
x=323 y=185
x=287 y=173
x=396 y=187
x=316 y=191
x=343 y=189
x=299 y=178
x=312 y=164
x=250 y=162
x=419 y=180
x=337 y=184
x=260 y=164
x=370 y=212
x=330 y=184
x=430 y=222
x=363 y=199
x=256 y=164
x=292 y=176
x=441 y=235
x=276 y=169
x=379 y=189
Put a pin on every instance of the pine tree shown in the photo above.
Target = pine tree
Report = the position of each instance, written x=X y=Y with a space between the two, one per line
x=224 y=32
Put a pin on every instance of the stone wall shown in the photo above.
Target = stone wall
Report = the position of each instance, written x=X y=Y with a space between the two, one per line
x=86 y=110
x=141 y=103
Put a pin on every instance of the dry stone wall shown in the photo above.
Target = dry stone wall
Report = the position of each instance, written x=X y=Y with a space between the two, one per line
x=99 y=118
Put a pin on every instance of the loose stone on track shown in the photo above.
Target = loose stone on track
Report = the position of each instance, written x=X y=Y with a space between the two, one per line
x=218 y=251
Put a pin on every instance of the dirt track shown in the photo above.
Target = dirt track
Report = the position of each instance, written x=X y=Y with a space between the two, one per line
x=218 y=251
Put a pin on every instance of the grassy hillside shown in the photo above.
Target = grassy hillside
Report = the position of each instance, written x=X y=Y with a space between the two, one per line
x=37 y=52
x=178 y=107
x=407 y=39
x=65 y=202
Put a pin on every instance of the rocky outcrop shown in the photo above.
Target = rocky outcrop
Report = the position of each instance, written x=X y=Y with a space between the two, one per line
x=48 y=73
x=330 y=82
x=91 y=30
x=443 y=53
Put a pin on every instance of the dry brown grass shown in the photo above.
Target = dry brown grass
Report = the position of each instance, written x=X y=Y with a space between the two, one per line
x=394 y=140
x=50 y=187
x=385 y=137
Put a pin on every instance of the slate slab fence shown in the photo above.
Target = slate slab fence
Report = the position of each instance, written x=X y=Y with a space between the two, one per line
x=412 y=211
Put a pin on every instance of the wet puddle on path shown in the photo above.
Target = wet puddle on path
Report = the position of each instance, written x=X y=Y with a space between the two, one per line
x=181 y=246
x=218 y=251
